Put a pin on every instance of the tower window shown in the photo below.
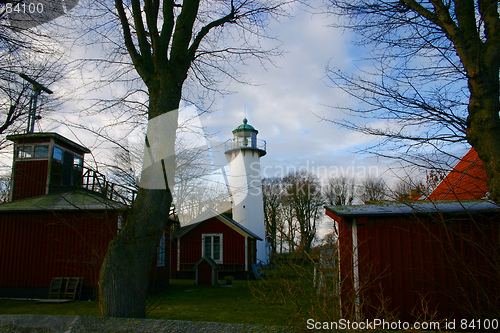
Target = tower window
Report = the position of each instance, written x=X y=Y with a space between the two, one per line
x=37 y=151
x=41 y=151
x=58 y=154
x=24 y=152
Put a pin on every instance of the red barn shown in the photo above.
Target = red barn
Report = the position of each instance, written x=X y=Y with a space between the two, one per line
x=231 y=246
x=444 y=252
x=60 y=219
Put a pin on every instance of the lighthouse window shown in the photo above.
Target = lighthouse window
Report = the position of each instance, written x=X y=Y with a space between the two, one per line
x=212 y=246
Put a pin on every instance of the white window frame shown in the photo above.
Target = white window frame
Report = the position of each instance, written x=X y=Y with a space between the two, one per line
x=32 y=147
x=203 y=236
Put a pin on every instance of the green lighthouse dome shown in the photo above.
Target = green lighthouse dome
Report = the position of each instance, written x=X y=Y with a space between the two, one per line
x=245 y=127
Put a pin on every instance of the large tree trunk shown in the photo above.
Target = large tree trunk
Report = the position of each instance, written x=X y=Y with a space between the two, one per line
x=125 y=271
x=483 y=130
x=124 y=275
x=483 y=122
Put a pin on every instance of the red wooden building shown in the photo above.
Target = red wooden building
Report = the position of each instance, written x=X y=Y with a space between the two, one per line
x=60 y=218
x=231 y=246
x=444 y=252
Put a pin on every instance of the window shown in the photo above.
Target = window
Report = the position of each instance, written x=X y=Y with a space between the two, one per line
x=24 y=152
x=41 y=151
x=212 y=246
x=58 y=154
x=32 y=151
x=77 y=162
x=160 y=252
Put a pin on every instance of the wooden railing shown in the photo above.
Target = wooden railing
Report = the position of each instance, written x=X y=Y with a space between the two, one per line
x=95 y=181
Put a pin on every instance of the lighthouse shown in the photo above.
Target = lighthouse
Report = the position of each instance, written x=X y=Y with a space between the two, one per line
x=243 y=154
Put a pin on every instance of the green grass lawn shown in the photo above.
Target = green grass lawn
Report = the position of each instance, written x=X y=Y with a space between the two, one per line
x=183 y=300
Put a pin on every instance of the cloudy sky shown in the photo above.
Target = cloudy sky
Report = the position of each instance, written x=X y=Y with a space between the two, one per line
x=290 y=99
x=285 y=103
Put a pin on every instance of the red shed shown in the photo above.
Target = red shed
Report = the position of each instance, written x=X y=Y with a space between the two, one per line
x=60 y=218
x=231 y=246
x=403 y=252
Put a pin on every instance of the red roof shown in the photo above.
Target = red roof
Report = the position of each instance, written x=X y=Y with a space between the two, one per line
x=467 y=180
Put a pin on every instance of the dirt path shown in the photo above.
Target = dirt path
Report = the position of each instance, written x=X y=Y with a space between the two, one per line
x=80 y=324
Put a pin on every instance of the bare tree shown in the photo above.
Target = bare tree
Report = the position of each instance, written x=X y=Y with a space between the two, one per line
x=372 y=189
x=29 y=53
x=340 y=191
x=168 y=43
x=273 y=195
x=411 y=187
x=403 y=188
x=305 y=198
x=435 y=78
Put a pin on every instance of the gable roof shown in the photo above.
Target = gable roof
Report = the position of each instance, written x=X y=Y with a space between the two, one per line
x=414 y=207
x=72 y=200
x=210 y=261
x=466 y=181
x=221 y=217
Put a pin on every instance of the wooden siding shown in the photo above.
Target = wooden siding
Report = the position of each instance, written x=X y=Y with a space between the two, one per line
x=406 y=259
x=30 y=178
x=233 y=246
x=35 y=247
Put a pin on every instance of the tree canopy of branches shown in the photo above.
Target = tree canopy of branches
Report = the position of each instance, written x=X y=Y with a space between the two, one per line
x=435 y=76
x=372 y=189
x=305 y=198
x=28 y=52
x=272 y=193
x=340 y=191
x=169 y=42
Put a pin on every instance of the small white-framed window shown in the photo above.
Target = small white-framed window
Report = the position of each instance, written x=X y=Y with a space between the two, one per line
x=212 y=246
x=160 y=252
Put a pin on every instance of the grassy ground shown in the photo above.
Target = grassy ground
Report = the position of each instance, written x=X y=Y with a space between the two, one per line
x=183 y=300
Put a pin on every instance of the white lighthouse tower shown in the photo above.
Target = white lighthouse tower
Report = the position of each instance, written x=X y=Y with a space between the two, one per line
x=243 y=153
